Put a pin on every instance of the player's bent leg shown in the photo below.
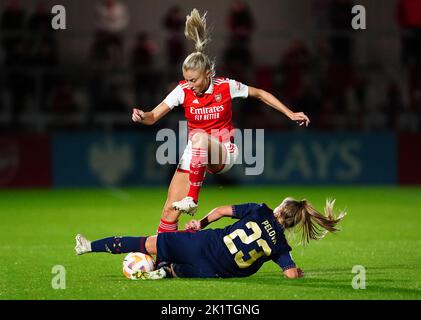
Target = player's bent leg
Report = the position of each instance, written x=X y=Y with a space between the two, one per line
x=83 y=245
x=114 y=245
x=177 y=190
x=217 y=156
x=197 y=169
x=150 y=244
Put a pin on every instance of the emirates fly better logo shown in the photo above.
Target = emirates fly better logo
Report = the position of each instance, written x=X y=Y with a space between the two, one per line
x=206 y=110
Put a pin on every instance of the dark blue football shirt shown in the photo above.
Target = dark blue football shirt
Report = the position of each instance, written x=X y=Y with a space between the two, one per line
x=239 y=250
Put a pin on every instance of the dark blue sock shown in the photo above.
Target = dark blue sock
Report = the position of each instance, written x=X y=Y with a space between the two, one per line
x=118 y=245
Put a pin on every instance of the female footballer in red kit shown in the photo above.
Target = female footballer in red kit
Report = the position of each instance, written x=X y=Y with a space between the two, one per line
x=207 y=103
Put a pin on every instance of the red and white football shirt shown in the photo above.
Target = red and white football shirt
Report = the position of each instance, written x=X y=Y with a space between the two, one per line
x=211 y=112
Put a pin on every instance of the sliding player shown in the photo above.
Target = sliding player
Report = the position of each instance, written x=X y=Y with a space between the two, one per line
x=238 y=250
x=207 y=102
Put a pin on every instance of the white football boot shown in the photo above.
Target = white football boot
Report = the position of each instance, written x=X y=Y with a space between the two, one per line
x=83 y=245
x=152 y=275
x=186 y=205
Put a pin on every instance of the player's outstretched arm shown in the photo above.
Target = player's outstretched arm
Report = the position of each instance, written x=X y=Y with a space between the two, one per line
x=149 y=118
x=272 y=101
x=214 y=215
x=293 y=273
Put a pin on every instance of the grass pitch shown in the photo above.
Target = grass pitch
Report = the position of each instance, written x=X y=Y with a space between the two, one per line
x=382 y=233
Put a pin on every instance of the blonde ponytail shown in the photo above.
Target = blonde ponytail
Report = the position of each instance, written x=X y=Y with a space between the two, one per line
x=314 y=225
x=197 y=32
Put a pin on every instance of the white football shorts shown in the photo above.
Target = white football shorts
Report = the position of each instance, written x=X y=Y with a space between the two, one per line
x=231 y=152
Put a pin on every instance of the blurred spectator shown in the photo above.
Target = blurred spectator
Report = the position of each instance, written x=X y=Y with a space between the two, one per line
x=17 y=58
x=320 y=66
x=107 y=50
x=19 y=82
x=145 y=75
x=40 y=21
x=409 y=19
x=341 y=42
x=344 y=84
x=174 y=19
x=12 y=27
x=4 y=109
x=101 y=52
x=310 y=99
x=113 y=19
x=63 y=99
x=101 y=62
x=341 y=81
x=43 y=51
x=238 y=59
x=293 y=68
x=174 y=22
x=240 y=21
x=393 y=103
x=44 y=59
x=415 y=87
x=326 y=117
x=407 y=121
x=114 y=99
x=301 y=79
x=320 y=13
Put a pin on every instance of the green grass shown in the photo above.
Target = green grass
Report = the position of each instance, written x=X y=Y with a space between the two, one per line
x=382 y=232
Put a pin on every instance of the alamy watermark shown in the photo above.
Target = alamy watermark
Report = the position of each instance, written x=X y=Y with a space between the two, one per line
x=359 y=280
x=359 y=21
x=58 y=282
x=59 y=20
x=250 y=151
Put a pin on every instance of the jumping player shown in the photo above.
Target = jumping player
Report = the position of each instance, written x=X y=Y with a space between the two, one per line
x=207 y=102
x=238 y=250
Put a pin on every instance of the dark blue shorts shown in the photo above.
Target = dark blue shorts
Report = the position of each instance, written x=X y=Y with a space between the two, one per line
x=187 y=252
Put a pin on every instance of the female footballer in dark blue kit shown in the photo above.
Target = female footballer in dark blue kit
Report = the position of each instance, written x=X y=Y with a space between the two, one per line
x=238 y=250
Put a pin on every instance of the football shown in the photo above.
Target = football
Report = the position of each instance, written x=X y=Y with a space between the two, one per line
x=136 y=261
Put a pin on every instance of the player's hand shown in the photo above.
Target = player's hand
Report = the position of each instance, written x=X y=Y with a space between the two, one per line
x=193 y=225
x=300 y=118
x=138 y=115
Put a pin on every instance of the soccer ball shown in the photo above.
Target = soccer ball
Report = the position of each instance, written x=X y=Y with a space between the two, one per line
x=136 y=261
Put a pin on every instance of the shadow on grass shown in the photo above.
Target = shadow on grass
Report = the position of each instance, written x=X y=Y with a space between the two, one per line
x=372 y=286
x=325 y=278
x=113 y=277
x=315 y=278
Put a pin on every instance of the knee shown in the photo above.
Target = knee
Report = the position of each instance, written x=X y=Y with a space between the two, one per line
x=199 y=139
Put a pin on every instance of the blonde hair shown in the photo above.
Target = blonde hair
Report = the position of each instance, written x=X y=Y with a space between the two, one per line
x=197 y=32
x=313 y=225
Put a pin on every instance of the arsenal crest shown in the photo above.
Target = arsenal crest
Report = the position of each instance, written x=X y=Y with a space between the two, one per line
x=218 y=97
